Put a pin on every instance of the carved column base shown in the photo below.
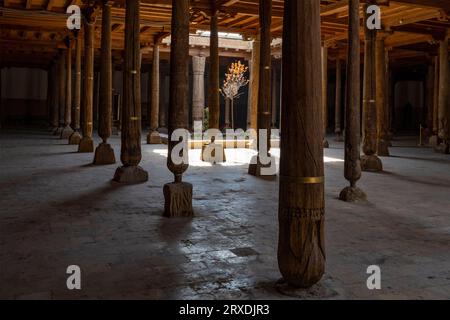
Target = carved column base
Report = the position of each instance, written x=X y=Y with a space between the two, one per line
x=75 y=138
x=209 y=153
x=443 y=147
x=153 y=138
x=115 y=131
x=130 y=175
x=434 y=141
x=58 y=131
x=86 y=145
x=104 y=155
x=352 y=194
x=178 y=200
x=317 y=291
x=339 y=137
x=257 y=169
x=66 y=132
x=326 y=144
x=383 y=148
x=371 y=163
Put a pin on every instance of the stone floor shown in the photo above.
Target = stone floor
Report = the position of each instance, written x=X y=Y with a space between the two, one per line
x=56 y=210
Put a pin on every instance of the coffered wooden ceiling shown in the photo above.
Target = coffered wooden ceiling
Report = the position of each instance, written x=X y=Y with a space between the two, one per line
x=32 y=31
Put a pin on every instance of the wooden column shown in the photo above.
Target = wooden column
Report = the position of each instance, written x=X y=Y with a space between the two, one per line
x=214 y=98
x=301 y=246
x=178 y=195
x=444 y=98
x=67 y=131
x=325 y=94
x=338 y=99
x=153 y=136
x=55 y=96
x=61 y=93
x=104 y=154
x=2 y=117
x=131 y=153
x=370 y=161
x=227 y=113
x=382 y=105
x=429 y=95
x=434 y=139
x=163 y=107
x=75 y=138
x=49 y=97
x=264 y=90
x=275 y=97
x=252 y=111
x=86 y=143
x=352 y=164
x=198 y=95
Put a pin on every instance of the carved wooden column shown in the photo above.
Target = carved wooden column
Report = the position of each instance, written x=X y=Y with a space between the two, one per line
x=381 y=62
x=325 y=93
x=104 y=154
x=75 y=138
x=370 y=161
x=153 y=136
x=131 y=154
x=264 y=90
x=67 y=131
x=61 y=93
x=2 y=120
x=301 y=246
x=198 y=96
x=275 y=97
x=86 y=143
x=227 y=113
x=429 y=95
x=434 y=140
x=444 y=99
x=178 y=195
x=338 y=98
x=163 y=107
x=252 y=111
x=54 y=111
x=352 y=111
x=214 y=93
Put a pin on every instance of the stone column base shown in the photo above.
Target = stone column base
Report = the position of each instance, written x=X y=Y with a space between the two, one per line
x=178 y=200
x=263 y=171
x=209 y=153
x=339 y=137
x=115 y=131
x=326 y=144
x=443 y=147
x=153 y=138
x=352 y=194
x=86 y=145
x=58 y=131
x=371 y=163
x=67 y=132
x=75 y=138
x=434 y=141
x=130 y=175
x=383 y=148
x=104 y=155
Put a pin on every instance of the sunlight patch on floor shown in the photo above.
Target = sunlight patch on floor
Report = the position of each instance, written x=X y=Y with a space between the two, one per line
x=235 y=157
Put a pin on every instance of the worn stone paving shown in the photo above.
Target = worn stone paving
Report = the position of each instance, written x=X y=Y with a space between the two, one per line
x=56 y=210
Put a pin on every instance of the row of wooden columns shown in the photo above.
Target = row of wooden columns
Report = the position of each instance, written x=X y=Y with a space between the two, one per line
x=301 y=247
x=439 y=102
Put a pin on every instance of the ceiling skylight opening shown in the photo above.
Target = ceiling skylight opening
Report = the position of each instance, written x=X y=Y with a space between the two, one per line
x=223 y=35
